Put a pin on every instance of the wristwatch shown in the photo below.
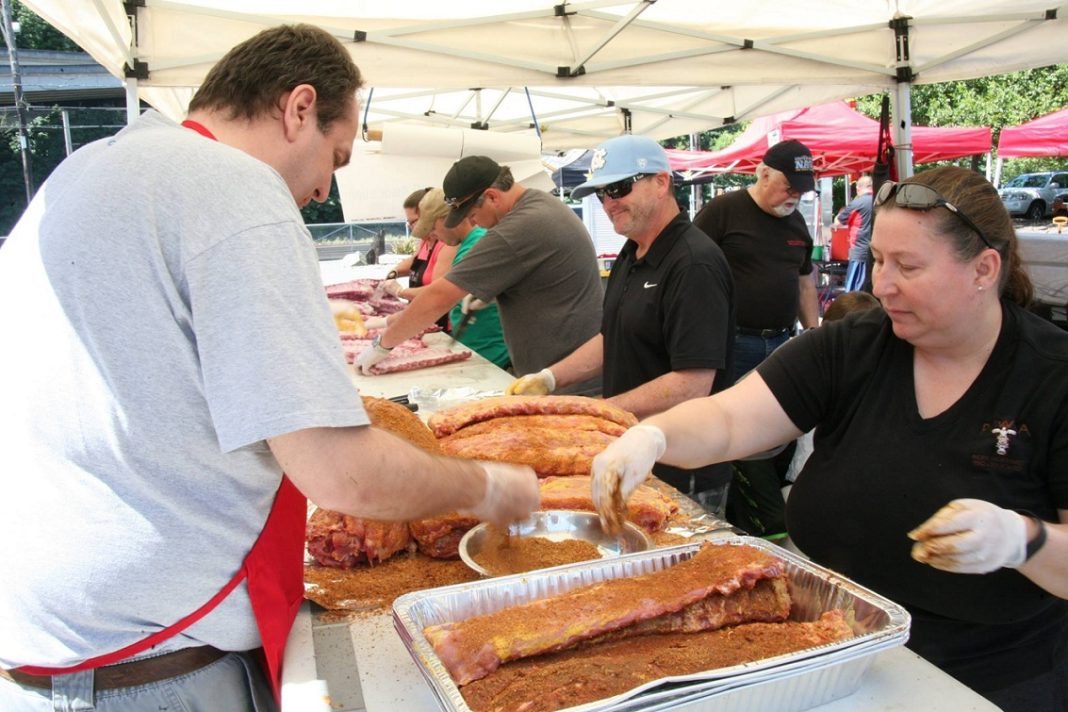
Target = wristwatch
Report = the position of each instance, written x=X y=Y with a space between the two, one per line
x=1039 y=541
x=392 y=274
x=376 y=343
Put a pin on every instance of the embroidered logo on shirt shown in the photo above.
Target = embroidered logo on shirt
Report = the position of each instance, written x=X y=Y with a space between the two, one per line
x=1004 y=434
x=1010 y=452
x=647 y=285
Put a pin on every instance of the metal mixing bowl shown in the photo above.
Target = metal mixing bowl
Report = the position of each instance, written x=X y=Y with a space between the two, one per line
x=560 y=525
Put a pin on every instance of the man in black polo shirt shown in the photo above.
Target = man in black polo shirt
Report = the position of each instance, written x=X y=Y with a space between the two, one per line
x=667 y=329
x=769 y=249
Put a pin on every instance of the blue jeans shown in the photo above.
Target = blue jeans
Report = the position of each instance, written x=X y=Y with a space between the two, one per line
x=749 y=351
x=234 y=683
x=855 y=275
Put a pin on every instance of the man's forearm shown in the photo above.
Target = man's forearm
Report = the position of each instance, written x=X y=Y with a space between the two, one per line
x=343 y=468
x=666 y=391
x=429 y=304
x=584 y=362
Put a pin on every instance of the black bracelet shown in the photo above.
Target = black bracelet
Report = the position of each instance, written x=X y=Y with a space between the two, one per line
x=1039 y=541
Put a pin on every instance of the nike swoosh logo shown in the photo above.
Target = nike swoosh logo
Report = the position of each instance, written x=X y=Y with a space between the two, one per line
x=647 y=285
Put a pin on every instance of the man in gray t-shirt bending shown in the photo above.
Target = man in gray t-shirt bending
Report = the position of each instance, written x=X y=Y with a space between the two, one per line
x=537 y=261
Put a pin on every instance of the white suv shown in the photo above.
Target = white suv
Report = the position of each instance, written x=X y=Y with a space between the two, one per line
x=1032 y=194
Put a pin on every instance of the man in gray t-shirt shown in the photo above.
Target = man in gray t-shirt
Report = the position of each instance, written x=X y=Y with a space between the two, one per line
x=169 y=352
x=536 y=260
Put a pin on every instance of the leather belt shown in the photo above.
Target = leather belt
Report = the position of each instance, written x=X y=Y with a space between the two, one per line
x=762 y=333
x=138 y=672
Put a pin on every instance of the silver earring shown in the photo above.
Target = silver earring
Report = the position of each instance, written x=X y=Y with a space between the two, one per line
x=980 y=287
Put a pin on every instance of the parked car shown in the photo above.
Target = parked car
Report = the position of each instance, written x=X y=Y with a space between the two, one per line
x=1032 y=194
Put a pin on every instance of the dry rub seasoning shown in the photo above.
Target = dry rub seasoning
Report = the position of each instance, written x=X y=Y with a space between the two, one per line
x=373 y=587
x=520 y=554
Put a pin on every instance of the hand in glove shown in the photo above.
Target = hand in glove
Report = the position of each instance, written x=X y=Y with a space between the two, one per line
x=373 y=354
x=541 y=383
x=511 y=494
x=471 y=303
x=392 y=287
x=970 y=536
x=375 y=322
x=623 y=465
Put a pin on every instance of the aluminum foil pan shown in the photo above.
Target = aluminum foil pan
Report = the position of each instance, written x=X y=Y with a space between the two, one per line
x=784 y=682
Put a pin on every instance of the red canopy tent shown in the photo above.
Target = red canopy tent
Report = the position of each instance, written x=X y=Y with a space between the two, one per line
x=1045 y=136
x=842 y=141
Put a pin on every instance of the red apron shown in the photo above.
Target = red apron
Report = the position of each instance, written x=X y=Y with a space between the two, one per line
x=274 y=569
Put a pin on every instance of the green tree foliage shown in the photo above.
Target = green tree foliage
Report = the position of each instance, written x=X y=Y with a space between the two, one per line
x=35 y=33
x=995 y=101
x=47 y=150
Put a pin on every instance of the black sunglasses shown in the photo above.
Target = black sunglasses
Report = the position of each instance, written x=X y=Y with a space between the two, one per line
x=621 y=188
x=917 y=196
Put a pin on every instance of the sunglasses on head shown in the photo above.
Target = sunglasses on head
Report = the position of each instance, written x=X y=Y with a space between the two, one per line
x=619 y=189
x=917 y=196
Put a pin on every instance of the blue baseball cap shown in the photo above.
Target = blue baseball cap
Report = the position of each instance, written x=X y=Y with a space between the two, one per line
x=623 y=157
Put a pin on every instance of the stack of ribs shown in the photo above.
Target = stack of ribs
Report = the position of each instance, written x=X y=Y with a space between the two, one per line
x=646 y=507
x=362 y=297
x=725 y=605
x=343 y=541
x=555 y=435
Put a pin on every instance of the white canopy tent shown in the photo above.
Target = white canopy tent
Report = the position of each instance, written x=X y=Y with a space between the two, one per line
x=575 y=73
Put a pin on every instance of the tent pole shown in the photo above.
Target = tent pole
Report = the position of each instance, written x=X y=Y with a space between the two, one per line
x=534 y=117
x=998 y=165
x=67 y=145
x=20 y=102
x=695 y=189
x=133 y=104
x=902 y=113
x=901 y=98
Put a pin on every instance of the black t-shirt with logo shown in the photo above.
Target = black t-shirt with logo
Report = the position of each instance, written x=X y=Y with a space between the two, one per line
x=879 y=469
x=669 y=311
x=766 y=255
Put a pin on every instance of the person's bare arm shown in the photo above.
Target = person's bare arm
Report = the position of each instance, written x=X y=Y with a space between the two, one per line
x=431 y=302
x=404 y=267
x=584 y=362
x=730 y=425
x=808 y=304
x=666 y=391
x=370 y=473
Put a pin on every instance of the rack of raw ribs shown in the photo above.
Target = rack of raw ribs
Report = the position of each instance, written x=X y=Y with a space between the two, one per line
x=353 y=302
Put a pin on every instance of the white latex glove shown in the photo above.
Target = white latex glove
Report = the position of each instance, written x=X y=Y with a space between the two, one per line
x=625 y=463
x=541 y=383
x=370 y=356
x=472 y=303
x=375 y=322
x=392 y=287
x=970 y=536
x=511 y=494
